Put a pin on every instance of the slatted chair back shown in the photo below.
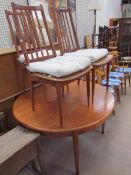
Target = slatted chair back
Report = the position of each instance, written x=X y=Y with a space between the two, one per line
x=34 y=42
x=11 y=23
x=65 y=29
x=125 y=49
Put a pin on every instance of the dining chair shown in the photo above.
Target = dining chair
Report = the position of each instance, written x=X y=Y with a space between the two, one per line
x=10 y=20
x=20 y=56
x=67 y=37
x=41 y=61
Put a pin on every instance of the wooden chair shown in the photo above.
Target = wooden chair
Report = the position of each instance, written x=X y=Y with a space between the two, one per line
x=16 y=42
x=20 y=56
x=113 y=38
x=67 y=37
x=18 y=148
x=24 y=22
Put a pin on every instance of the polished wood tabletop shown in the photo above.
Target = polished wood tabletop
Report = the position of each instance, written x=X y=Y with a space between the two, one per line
x=77 y=115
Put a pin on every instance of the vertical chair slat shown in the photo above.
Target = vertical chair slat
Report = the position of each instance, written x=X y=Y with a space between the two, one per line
x=66 y=31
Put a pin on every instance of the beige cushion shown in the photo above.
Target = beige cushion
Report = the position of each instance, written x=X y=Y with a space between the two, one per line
x=93 y=54
x=60 y=66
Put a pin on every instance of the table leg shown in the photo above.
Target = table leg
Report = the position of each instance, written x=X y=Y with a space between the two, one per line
x=103 y=128
x=76 y=151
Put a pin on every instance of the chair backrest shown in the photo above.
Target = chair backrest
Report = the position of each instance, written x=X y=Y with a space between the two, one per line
x=65 y=29
x=29 y=21
x=10 y=20
x=125 y=49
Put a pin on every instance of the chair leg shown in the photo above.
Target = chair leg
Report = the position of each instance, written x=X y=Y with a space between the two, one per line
x=107 y=76
x=122 y=87
x=63 y=91
x=125 y=84
x=129 y=81
x=88 y=88
x=59 y=100
x=67 y=87
x=118 y=94
x=32 y=96
x=78 y=82
x=23 y=80
x=93 y=84
x=44 y=91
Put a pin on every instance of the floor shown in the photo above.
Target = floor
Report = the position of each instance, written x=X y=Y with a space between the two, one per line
x=108 y=154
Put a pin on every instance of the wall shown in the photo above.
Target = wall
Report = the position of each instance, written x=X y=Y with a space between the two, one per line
x=5 y=38
x=110 y=9
x=85 y=20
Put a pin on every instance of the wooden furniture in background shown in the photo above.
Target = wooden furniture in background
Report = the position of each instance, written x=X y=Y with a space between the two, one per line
x=114 y=22
x=18 y=147
x=11 y=75
x=124 y=30
x=77 y=116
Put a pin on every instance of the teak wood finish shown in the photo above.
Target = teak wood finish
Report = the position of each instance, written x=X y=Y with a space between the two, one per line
x=78 y=117
x=12 y=27
x=31 y=43
x=67 y=37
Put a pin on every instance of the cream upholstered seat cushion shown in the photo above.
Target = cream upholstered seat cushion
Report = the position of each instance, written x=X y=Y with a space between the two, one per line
x=60 y=66
x=22 y=58
x=93 y=54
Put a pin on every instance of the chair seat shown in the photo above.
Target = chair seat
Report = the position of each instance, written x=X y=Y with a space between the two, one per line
x=60 y=66
x=22 y=58
x=124 y=70
x=93 y=54
x=116 y=75
x=112 y=82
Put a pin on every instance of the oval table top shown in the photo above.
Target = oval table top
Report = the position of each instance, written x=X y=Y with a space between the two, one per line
x=77 y=117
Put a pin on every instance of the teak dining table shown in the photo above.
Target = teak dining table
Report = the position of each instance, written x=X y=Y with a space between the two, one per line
x=77 y=116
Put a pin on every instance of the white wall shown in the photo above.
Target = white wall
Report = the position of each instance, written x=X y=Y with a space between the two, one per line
x=5 y=37
x=110 y=9
x=85 y=20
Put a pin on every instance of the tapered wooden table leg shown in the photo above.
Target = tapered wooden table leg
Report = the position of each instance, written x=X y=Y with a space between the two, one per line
x=88 y=88
x=103 y=128
x=59 y=99
x=76 y=151
x=93 y=83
